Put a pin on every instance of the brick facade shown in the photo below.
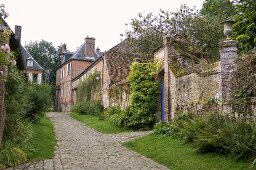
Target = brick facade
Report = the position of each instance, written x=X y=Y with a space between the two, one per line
x=72 y=65
x=64 y=78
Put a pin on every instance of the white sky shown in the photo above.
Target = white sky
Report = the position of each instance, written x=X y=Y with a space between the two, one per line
x=65 y=21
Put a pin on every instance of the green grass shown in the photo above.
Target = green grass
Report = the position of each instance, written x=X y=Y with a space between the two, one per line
x=174 y=154
x=43 y=140
x=97 y=124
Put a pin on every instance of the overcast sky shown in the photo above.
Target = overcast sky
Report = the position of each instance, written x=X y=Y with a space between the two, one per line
x=70 y=21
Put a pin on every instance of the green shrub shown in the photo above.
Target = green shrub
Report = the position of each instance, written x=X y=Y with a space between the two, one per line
x=112 y=111
x=17 y=130
x=143 y=95
x=119 y=119
x=217 y=133
x=11 y=155
x=88 y=108
x=40 y=100
x=163 y=128
x=214 y=137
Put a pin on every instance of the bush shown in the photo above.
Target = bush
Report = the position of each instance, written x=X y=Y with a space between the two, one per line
x=144 y=92
x=113 y=110
x=11 y=155
x=215 y=133
x=17 y=130
x=163 y=128
x=40 y=100
x=117 y=117
x=88 y=108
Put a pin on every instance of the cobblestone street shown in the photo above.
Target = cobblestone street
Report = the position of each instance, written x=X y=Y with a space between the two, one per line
x=80 y=147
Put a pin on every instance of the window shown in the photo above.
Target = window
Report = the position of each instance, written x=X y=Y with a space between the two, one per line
x=30 y=62
x=62 y=75
x=68 y=89
x=69 y=68
x=34 y=78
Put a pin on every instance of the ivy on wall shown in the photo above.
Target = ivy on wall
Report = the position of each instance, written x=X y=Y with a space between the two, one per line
x=90 y=88
x=144 y=90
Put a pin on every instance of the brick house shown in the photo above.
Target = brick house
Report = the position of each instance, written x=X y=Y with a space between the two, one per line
x=72 y=65
x=113 y=69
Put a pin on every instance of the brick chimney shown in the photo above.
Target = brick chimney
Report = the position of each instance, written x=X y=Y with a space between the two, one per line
x=89 y=47
x=63 y=48
x=18 y=32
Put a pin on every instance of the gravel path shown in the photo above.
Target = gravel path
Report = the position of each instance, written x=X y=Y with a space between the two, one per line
x=80 y=147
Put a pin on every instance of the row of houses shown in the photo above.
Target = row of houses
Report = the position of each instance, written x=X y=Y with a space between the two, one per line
x=188 y=81
x=112 y=67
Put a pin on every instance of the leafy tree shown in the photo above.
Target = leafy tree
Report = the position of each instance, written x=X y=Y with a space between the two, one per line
x=218 y=9
x=146 y=33
x=47 y=56
x=245 y=26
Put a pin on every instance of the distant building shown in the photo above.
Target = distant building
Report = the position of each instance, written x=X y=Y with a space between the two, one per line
x=72 y=65
x=33 y=70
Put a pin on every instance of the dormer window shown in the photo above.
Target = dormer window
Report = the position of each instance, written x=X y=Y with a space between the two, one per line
x=30 y=62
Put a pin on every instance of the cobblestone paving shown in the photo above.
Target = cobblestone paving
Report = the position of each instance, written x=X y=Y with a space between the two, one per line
x=80 y=147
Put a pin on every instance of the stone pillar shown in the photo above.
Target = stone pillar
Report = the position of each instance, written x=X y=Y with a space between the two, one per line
x=39 y=78
x=228 y=56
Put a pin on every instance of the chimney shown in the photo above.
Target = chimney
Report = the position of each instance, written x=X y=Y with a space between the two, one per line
x=63 y=48
x=18 y=32
x=89 y=47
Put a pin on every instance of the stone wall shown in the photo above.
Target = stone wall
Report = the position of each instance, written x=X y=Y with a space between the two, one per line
x=243 y=108
x=195 y=90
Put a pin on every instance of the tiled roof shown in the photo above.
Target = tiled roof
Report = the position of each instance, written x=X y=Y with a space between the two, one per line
x=26 y=56
x=79 y=54
x=119 y=59
x=67 y=55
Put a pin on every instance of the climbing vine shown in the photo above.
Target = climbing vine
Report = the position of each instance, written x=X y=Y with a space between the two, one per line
x=89 y=89
x=143 y=94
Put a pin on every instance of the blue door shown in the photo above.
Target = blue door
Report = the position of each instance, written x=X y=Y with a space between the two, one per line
x=162 y=101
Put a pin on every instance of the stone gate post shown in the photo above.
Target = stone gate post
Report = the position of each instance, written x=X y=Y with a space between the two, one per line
x=228 y=56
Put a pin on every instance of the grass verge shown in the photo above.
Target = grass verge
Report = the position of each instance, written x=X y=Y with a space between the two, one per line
x=174 y=154
x=97 y=124
x=43 y=140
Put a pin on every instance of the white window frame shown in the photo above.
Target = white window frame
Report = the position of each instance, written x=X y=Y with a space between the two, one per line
x=30 y=63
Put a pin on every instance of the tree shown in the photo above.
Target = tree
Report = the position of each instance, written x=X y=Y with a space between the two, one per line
x=218 y=9
x=146 y=33
x=245 y=26
x=47 y=56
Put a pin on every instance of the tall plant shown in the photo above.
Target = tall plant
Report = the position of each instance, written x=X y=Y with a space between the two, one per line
x=143 y=95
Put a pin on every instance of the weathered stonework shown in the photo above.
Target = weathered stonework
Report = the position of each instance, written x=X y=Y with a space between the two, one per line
x=228 y=56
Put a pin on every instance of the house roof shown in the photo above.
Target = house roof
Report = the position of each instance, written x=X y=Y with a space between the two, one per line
x=119 y=59
x=26 y=56
x=67 y=55
x=79 y=54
